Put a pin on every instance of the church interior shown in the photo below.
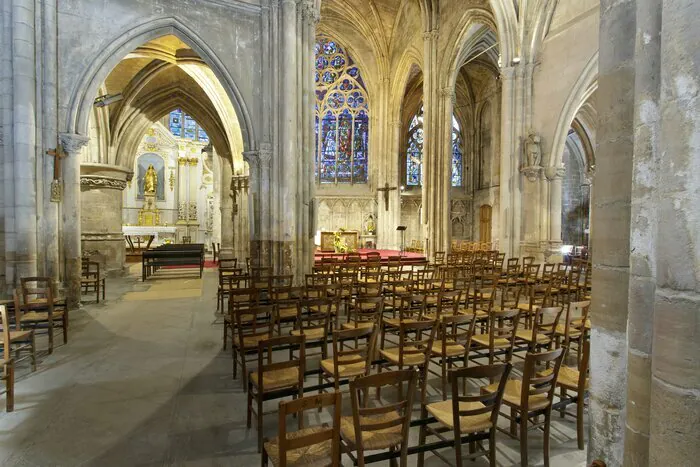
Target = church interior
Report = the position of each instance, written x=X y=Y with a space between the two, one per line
x=350 y=232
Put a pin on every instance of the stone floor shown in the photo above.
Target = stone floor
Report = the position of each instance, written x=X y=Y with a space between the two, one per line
x=143 y=381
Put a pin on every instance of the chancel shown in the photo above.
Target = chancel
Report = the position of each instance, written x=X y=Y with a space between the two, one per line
x=350 y=232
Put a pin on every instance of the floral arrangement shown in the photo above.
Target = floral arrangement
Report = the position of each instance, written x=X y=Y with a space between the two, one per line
x=340 y=245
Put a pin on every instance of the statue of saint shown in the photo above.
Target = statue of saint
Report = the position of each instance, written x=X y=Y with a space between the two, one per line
x=150 y=181
x=371 y=228
x=533 y=150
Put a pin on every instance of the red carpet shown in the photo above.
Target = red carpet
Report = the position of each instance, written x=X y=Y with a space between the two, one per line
x=384 y=254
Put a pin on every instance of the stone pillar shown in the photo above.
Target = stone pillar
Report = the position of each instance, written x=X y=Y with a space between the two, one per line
x=227 y=209
x=431 y=102
x=642 y=280
x=288 y=166
x=610 y=238
x=387 y=221
x=241 y=227
x=24 y=137
x=509 y=163
x=675 y=381
x=72 y=146
x=7 y=219
x=554 y=176
x=101 y=197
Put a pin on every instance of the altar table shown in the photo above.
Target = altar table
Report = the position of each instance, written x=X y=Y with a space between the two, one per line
x=145 y=231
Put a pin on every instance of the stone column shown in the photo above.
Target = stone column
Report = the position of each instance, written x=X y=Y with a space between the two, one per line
x=72 y=146
x=227 y=209
x=387 y=221
x=101 y=197
x=241 y=227
x=642 y=280
x=7 y=219
x=24 y=137
x=554 y=176
x=509 y=162
x=431 y=103
x=675 y=381
x=287 y=168
x=610 y=238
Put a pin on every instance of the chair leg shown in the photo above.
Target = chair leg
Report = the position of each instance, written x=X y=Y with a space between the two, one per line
x=579 y=421
x=250 y=408
x=547 y=420
x=523 y=439
x=33 y=349
x=235 y=360
x=264 y=457
x=421 y=441
x=10 y=385
x=65 y=327
x=492 y=448
x=260 y=421
x=444 y=377
x=50 y=337
x=225 y=334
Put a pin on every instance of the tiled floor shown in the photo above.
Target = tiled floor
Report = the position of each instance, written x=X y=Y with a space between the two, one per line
x=144 y=382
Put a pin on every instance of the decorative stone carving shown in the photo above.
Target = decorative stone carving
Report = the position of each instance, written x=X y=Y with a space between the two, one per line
x=265 y=154
x=533 y=157
x=56 y=191
x=92 y=182
x=72 y=143
x=181 y=211
x=555 y=173
x=193 y=210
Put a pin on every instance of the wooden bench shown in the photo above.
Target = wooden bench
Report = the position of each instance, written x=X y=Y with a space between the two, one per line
x=191 y=254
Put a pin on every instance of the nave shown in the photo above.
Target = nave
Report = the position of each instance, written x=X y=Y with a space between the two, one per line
x=143 y=381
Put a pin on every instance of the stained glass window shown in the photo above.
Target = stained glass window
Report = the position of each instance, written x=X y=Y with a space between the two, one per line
x=342 y=116
x=414 y=151
x=183 y=126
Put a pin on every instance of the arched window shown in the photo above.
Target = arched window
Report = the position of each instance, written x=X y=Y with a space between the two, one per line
x=342 y=116
x=414 y=151
x=183 y=126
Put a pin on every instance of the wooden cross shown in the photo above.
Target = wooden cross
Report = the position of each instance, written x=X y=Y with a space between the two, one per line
x=57 y=154
x=386 y=191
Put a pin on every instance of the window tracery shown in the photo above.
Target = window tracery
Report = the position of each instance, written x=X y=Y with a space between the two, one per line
x=183 y=126
x=342 y=116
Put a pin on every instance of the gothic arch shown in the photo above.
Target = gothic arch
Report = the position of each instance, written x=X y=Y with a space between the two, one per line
x=584 y=87
x=81 y=101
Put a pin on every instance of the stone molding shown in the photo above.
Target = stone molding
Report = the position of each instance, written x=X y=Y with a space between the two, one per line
x=532 y=173
x=93 y=182
x=73 y=143
x=555 y=173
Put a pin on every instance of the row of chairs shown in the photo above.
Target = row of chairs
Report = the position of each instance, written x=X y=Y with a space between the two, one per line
x=34 y=307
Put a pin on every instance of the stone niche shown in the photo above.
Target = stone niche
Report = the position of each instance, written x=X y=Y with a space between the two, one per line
x=101 y=189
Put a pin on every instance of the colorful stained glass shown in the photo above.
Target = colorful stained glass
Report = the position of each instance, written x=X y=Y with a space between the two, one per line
x=342 y=121
x=202 y=136
x=456 y=153
x=176 y=122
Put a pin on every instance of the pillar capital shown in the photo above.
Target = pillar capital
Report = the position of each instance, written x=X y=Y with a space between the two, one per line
x=72 y=143
x=555 y=172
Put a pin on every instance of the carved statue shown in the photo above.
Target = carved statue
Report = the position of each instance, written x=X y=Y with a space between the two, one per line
x=150 y=181
x=371 y=227
x=533 y=150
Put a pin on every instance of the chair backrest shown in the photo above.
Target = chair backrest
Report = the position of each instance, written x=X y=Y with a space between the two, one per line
x=41 y=288
x=457 y=329
x=260 y=271
x=527 y=260
x=547 y=271
x=242 y=299
x=448 y=302
x=583 y=367
x=412 y=306
x=416 y=338
x=267 y=347
x=370 y=287
x=314 y=314
x=261 y=282
x=542 y=384
x=382 y=416
x=541 y=328
x=316 y=437
x=365 y=310
x=286 y=293
x=489 y=402
x=5 y=321
x=225 y=262
x=349 y=349
x=285 y=280
x=316 y=291
x=255 y=322
x=503 y=325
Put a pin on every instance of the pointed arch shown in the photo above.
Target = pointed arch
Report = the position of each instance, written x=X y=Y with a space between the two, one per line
x=85 y=90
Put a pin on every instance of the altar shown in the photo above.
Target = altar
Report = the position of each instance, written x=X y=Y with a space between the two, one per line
x=350 y=237
x=149 y=231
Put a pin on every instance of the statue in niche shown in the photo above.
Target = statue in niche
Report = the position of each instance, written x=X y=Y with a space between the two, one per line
x=533 y=150
x=371 y=227
x=150 y=181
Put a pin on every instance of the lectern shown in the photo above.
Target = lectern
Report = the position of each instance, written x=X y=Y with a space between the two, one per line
x=402 y=229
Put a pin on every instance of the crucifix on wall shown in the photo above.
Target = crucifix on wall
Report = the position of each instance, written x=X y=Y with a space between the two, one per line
x=386 y=191
x=57 y=155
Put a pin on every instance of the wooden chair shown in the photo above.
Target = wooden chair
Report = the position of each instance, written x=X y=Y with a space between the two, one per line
x=364 y=312
x=454 y=341
x=575 y=380
x=8 y=366
x=414 y=350
x=500 y=335
x=542 y=334
x=531 y=398
x=21 y=340
x=269 y=377
x=91 y=280
x=286 y=300
x=313 y=322
x=351 y=357
x=239 y=298
x=469 y=414
x=252 y=324
x=226 y=262
x=412 y=308
x=307 y=446
x=383 y=426
x=41 y=308
x=229 y=278
x=574 y=329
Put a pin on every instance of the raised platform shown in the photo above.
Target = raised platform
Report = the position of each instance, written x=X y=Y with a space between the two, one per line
x=406 y=257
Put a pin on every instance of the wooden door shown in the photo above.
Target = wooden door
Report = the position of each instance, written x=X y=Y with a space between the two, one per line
x=485 y=223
